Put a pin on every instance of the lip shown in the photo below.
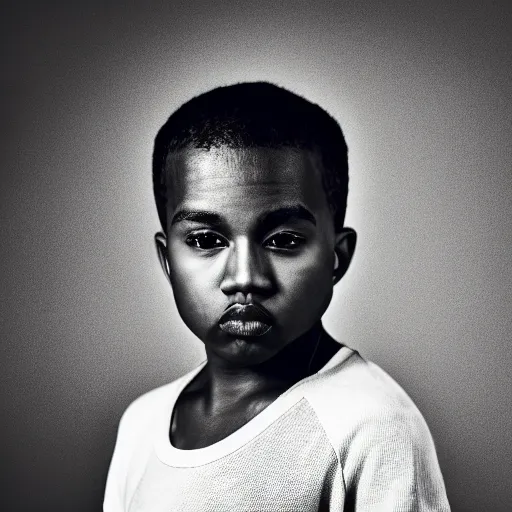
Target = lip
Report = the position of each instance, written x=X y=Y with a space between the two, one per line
x=246 y=320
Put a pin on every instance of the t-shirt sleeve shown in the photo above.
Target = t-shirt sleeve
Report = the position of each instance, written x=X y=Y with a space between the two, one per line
x=392 y=465
x=129 y=447
x=113 y=500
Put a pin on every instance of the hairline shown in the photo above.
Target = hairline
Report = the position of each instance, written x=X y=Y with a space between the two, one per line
x=328 y=146
x=314 y=155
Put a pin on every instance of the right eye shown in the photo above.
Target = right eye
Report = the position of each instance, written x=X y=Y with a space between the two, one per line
x=205 y=241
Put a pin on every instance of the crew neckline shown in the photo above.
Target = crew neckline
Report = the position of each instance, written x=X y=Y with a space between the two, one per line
x=175 y=457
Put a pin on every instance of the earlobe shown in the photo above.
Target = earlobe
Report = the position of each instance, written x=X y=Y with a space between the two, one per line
x=345 y=246
x=161 y=249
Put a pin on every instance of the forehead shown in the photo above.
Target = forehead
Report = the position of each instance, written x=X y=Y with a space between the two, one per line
x=245 y=180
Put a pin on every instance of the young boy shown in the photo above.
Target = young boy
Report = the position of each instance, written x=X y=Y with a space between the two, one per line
x=251 y=183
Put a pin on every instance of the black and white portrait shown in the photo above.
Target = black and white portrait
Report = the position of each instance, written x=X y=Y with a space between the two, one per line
x=256 y=256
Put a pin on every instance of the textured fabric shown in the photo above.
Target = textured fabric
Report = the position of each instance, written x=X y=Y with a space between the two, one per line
x=346 y=438
x=246 y=479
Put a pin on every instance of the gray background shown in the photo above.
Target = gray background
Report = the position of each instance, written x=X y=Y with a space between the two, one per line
x=88 y=323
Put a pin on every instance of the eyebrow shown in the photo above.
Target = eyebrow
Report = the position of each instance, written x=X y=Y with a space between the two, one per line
x=213 y=219
x=281 y=215
x=266 y=222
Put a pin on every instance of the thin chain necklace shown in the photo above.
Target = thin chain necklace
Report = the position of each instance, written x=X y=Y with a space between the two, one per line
x=314 y=352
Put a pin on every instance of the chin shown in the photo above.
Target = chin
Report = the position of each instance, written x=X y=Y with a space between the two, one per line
x=242 y=351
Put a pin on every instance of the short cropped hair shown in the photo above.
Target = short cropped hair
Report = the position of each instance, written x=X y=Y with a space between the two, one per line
x=255 y=114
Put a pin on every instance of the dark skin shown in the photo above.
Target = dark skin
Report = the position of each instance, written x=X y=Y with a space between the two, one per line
x=249 y=226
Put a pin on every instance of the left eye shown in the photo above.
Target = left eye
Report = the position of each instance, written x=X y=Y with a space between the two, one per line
x=205 y=241
x=288 y=241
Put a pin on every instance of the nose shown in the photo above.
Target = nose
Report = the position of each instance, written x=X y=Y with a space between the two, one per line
x=246 y=270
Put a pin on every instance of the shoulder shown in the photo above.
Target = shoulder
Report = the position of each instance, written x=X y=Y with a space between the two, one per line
x=134 y=436
x=381 y=439
x=358 y=399
x=140 y=413
x=146 y=406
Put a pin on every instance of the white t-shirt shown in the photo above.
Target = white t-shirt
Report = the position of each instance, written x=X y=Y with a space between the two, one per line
x=346 y=438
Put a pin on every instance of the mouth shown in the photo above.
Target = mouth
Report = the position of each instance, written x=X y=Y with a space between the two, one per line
x=246 y=320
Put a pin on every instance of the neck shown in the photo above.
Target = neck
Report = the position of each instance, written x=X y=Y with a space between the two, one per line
x=299 y=359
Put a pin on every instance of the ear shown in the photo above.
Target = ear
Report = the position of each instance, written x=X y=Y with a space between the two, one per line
x=161 y=249
x=345 y=246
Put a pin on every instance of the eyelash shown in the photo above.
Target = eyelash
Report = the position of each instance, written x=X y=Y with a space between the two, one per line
x=193 y=240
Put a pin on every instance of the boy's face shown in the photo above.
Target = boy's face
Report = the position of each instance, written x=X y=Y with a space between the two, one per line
x=249 y=226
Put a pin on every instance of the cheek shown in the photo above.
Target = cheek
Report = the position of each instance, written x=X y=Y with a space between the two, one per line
x=307 y=285
x=195 y=313
x=193 y=291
